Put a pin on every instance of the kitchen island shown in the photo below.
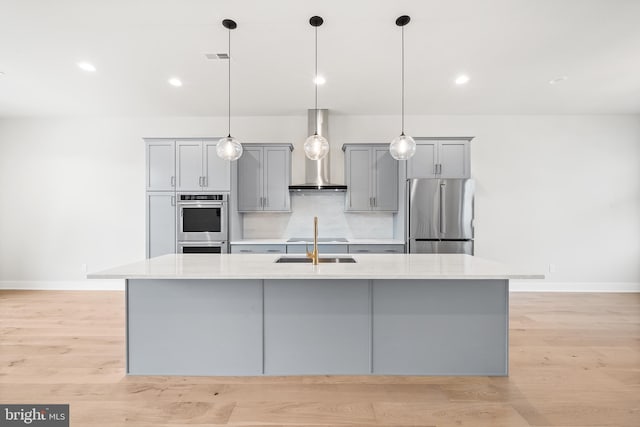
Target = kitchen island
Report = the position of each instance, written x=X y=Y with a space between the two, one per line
x=232 y=314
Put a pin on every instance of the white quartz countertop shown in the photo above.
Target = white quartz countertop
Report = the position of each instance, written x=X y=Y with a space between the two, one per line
x=263 y=266
x=348 y=242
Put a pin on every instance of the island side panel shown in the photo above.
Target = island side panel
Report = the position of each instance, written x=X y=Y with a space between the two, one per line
x=317 y=327
x=440 y=327
x=194 y=327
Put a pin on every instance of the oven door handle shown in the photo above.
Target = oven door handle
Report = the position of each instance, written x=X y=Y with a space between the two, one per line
x=200 y=204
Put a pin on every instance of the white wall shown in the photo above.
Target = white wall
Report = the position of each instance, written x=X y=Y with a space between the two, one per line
x=551 y=189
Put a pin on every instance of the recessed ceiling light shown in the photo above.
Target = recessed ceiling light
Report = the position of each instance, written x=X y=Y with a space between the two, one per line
x=174 y=81
x=85 y=66
x=558 y=80
x=462 y=79
x=319 y=80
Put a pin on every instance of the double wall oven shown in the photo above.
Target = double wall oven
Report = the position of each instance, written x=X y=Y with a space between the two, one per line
x=202 y=223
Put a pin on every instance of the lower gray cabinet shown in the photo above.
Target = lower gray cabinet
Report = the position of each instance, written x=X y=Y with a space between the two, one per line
x=161 y=224
x=323 y=249
x=445 y=327
x=376 y=249
x=258 y=249
x=194 y=327
x=316 y=327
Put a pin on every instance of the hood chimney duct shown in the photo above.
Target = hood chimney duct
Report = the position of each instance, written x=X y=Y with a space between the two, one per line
x=318 y=172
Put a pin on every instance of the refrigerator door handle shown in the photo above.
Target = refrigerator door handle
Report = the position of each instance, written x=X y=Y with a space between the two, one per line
x=443 y=223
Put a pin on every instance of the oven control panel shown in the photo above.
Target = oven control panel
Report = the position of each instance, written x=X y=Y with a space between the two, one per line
x=210 y=197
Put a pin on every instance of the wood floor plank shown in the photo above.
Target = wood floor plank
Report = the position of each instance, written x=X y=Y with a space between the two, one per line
x=574 y=361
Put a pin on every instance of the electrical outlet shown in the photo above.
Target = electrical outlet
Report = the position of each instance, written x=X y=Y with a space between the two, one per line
x=84 y=268
x=552 y=268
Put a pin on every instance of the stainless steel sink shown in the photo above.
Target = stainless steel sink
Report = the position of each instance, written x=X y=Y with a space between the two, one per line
x=321 y=260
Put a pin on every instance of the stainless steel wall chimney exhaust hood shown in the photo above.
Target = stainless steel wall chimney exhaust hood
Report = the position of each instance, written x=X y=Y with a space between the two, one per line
x=317 y=172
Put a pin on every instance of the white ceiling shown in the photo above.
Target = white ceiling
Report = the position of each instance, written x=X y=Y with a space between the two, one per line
x=509 y=48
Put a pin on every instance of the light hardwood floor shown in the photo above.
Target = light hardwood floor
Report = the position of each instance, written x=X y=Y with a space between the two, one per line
x=575 y=361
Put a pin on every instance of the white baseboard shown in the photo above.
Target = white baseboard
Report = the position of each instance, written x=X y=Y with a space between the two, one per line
x=543 y=286
x=65 y=285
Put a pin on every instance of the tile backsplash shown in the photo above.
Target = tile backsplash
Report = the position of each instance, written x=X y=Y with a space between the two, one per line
x=332 y=220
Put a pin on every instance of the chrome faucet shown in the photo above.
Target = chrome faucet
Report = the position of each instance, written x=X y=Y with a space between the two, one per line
x=314 y=255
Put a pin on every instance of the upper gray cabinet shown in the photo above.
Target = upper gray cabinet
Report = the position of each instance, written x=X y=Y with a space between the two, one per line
x=371 y=175
x=186 y=165
x=198 y=167
x=161 y=165
x=264 y=175
x=445 y=158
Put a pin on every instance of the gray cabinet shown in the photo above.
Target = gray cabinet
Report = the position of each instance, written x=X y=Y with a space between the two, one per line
x=186 y=165
x=376 y=249
x=258 y=249
x=194 y=327
x=317 y=327
x=264 y=175
x=189 y=165
x=216 y=171
x=198 y=167
x=371 y=175
x=161 y=165
x=250 y=174
x=161 y=224
x=322 y=248
x=385 y=180
x=445 y=158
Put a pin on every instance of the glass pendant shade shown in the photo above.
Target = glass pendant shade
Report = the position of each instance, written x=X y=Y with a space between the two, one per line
x=402 y=147
x=316 y=147
x=229 y=148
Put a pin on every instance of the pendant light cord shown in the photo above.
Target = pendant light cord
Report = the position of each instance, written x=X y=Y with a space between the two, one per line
x=315 y=81
x=229 y=93
x=403 y=80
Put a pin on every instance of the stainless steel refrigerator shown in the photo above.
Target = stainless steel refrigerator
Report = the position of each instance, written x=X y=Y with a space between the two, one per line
x=440 y=216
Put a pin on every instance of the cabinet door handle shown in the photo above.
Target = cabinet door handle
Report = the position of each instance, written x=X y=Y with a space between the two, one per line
x=273 y=251
x=375 y=202
x=245 y=250
x=204 y=181
x=173 y=200
x=443 y=224
x=370 y=201
x=440 y=168
x=266 y=202
x=390 y=250
x=435 y=169
x=173 y=180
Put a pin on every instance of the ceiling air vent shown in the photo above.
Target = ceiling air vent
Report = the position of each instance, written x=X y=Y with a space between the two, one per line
x=216 y=56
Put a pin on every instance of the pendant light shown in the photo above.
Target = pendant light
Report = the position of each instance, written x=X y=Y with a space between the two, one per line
x=229 y=148
x=316 y=146
x=402 y=147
